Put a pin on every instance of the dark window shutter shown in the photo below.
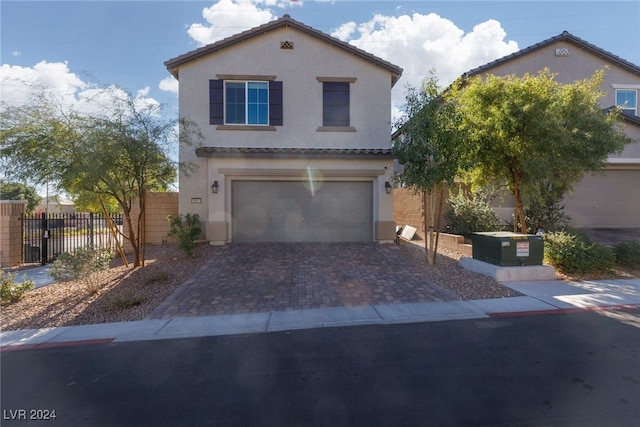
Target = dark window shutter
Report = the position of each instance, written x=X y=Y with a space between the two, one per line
x=216 y=102
x=335 y=109
x=275 y=103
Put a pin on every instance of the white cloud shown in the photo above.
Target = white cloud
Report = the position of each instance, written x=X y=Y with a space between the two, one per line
x=19 y=84
x=229 y=17
x=420 y=43
x=169 y=84
x=16 y=53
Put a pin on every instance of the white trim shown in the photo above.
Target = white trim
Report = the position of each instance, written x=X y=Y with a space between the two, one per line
x=624 y=86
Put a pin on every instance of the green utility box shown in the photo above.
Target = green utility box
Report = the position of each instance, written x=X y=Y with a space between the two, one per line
x=507 y=249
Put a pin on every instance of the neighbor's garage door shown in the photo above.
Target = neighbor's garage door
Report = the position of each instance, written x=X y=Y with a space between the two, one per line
x=295 y=211
x=611 y=200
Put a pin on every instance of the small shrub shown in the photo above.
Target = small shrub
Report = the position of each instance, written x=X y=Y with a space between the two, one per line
x=548 y=217
x=471 y=214
x=187 y=229
x=10 y=291
x=628 y=253
x=126 y=300
x=572 y=254
x=157 y=277
x=83 y=264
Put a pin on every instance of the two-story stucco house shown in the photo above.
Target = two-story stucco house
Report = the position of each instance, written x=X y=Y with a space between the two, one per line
x=296 y=137
x=612 y=199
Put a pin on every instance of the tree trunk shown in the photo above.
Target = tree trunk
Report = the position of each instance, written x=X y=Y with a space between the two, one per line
x=114 y=232
x=425 y=211
x=518 y=209
x=437 y=226
x=133 y=238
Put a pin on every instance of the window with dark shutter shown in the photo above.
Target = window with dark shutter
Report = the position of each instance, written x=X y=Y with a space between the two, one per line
x=245 y=102
x=275 y=103
x=216 y=102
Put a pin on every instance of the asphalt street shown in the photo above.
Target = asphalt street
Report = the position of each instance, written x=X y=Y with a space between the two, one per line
x=580 y=369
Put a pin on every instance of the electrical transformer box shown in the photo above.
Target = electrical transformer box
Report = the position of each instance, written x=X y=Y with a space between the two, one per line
x=507 y=249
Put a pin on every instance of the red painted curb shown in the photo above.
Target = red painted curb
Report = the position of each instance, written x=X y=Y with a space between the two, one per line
x=45 y=345
x=564 y=310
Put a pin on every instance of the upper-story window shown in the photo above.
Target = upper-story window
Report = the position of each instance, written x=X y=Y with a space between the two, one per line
x=245 y=105
x=336 y=103
x=627 y=100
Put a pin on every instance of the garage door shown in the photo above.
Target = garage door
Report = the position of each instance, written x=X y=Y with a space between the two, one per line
x=295 y=211
x=606 y=201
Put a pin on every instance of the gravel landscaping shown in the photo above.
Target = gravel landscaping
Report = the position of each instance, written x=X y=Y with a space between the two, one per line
x=126 y=294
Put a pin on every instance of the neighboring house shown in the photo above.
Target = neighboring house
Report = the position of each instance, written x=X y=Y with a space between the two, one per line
x=296 y=137
x=56 y=205
x=612 y=199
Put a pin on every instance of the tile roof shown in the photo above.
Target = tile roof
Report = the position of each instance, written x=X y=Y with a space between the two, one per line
x=286 y=21
x=567 y=37
x=325 y=153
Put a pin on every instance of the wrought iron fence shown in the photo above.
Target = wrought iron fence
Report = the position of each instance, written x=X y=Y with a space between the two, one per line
x=47 y=235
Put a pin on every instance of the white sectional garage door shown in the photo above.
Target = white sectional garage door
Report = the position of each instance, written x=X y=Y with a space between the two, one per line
x=295 y=211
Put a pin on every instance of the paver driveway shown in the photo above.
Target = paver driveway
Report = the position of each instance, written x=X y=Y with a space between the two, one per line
x=264 y=277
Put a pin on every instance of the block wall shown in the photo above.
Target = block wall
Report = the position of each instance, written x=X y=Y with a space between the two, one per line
x=408 y=209
x=11 y=232
x=158 y=207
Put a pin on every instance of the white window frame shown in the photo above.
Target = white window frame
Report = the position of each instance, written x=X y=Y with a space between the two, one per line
x=625 y=87
x=246 y=102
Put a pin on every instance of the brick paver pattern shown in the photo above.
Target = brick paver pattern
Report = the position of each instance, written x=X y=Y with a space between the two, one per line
x=266 y=277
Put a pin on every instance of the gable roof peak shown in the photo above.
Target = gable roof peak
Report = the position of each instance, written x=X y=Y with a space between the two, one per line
x=174 y=64
x=564 y=36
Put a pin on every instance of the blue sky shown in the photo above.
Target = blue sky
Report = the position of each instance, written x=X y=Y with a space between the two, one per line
x=73 y=45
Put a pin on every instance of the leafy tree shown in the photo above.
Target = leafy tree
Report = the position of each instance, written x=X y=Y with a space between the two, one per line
x=524 y=131
x=19 y=191
x=117 y=152
x=429 y=150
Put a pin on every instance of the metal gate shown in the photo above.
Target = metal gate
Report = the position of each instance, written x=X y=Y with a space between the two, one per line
x=46 y=235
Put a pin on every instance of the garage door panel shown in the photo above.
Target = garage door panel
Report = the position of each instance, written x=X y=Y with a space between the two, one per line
x=274 y=211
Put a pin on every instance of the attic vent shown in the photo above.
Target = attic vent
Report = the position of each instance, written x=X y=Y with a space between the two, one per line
x=562 y=51
x=286 y=45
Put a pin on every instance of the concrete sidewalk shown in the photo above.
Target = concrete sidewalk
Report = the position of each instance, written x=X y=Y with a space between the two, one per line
x=540 y=297
x=39 y=275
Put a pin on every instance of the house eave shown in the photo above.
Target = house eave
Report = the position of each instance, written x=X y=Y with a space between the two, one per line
x=295 y=153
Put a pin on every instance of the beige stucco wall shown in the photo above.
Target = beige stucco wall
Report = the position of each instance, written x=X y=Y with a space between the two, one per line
x=298 y=69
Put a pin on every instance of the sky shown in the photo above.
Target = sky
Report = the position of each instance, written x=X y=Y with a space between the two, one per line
x=73 y=47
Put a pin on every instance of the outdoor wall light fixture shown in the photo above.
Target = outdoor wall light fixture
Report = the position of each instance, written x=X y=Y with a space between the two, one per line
x=387 y=187
x=214 y=187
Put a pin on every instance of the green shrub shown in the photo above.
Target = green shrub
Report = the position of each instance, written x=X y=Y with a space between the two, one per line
x=83 y=264
x=186 y=229
x=468 y=215
x=10 y=291
x=546 y=216
x=126 y=300
x=628 y=253
x=573 y=254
